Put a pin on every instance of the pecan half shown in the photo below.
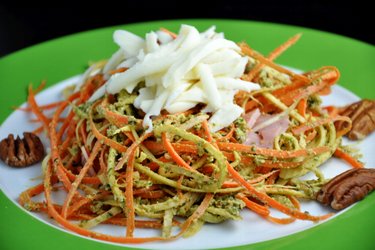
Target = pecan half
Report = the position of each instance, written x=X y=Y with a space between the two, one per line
x=21 y=152
x=347 y=188
x=362 y=114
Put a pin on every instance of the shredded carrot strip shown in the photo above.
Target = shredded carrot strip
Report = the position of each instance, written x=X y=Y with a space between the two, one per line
x=283 y=47
x=116 y=118
x=272 y=178
x=273 y=55
x=311 y=136
x=282 y=221
x=307 y=126
x=119 y=70
x=348 y=158
x=41 y=107
x=230 y=133
x=85 y=180
x=38 y=130
x=79 y=178
x=271 y=152
x=302 y=106
x=25 y=197
x=332 y=110
x=129 y=196
x=207 y=131
x=172 y=152
x=77 y=205
x=271 y=202
x=119 y=147
x=36 y=110
x=246 y=50
x=172 y=34
x=259 y=209
x=55 y=142
x=130 y=149
x=230 y=147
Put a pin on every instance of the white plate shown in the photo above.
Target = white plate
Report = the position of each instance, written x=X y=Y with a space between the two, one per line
x=251 y=229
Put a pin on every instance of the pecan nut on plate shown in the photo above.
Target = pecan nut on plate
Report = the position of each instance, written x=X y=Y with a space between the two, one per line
x=21 y=152
x=362 y=114
x=347 y=188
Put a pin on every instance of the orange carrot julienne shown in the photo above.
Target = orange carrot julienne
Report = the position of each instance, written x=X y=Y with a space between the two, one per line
x=283 y=47
x=295 y=202
x=41 y=107
x=282 y=221
x=40 y=87
x=325 y=91
x=273 y=55
x=172 y=34
x=85 y=180
x=271 y=152
x=36 y=110
x=25 y=197
x=207 y=131
x=230 y=133
x=130 y=149
x=119 y=70
x=129 y=196
x=302 y=93
x=38 y=130
x=229 y=184
x=102 y=164
x=175 y=156
x=82 y=131
x=199 y=212
x=230 y=147
x=271 y=202
x=311 y=136
x=272 y=178
x=69 y=116
x=262 y=177
x=152 y=194
x=348 y=158
x=332 y=110
x=65 y=125
x=119 y=147
x=259 y=209
x=246 y=50
x=302 y=106
x=77 y=181
x=49 y=119
x=55 y=156
x=307 y=126
x=77 y=205
x=116 y=118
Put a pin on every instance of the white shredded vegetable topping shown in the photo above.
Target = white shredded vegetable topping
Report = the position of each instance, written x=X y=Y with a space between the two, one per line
x=177 y=74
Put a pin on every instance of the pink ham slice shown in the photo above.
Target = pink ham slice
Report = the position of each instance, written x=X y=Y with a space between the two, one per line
x=264 y=137
x=252 y=117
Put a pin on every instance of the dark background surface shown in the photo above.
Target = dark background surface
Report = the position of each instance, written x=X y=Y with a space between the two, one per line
x=22 y=26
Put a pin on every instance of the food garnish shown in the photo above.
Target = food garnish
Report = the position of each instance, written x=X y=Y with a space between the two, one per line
x=362 y=114
x=21 y=152
x=347 y=188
